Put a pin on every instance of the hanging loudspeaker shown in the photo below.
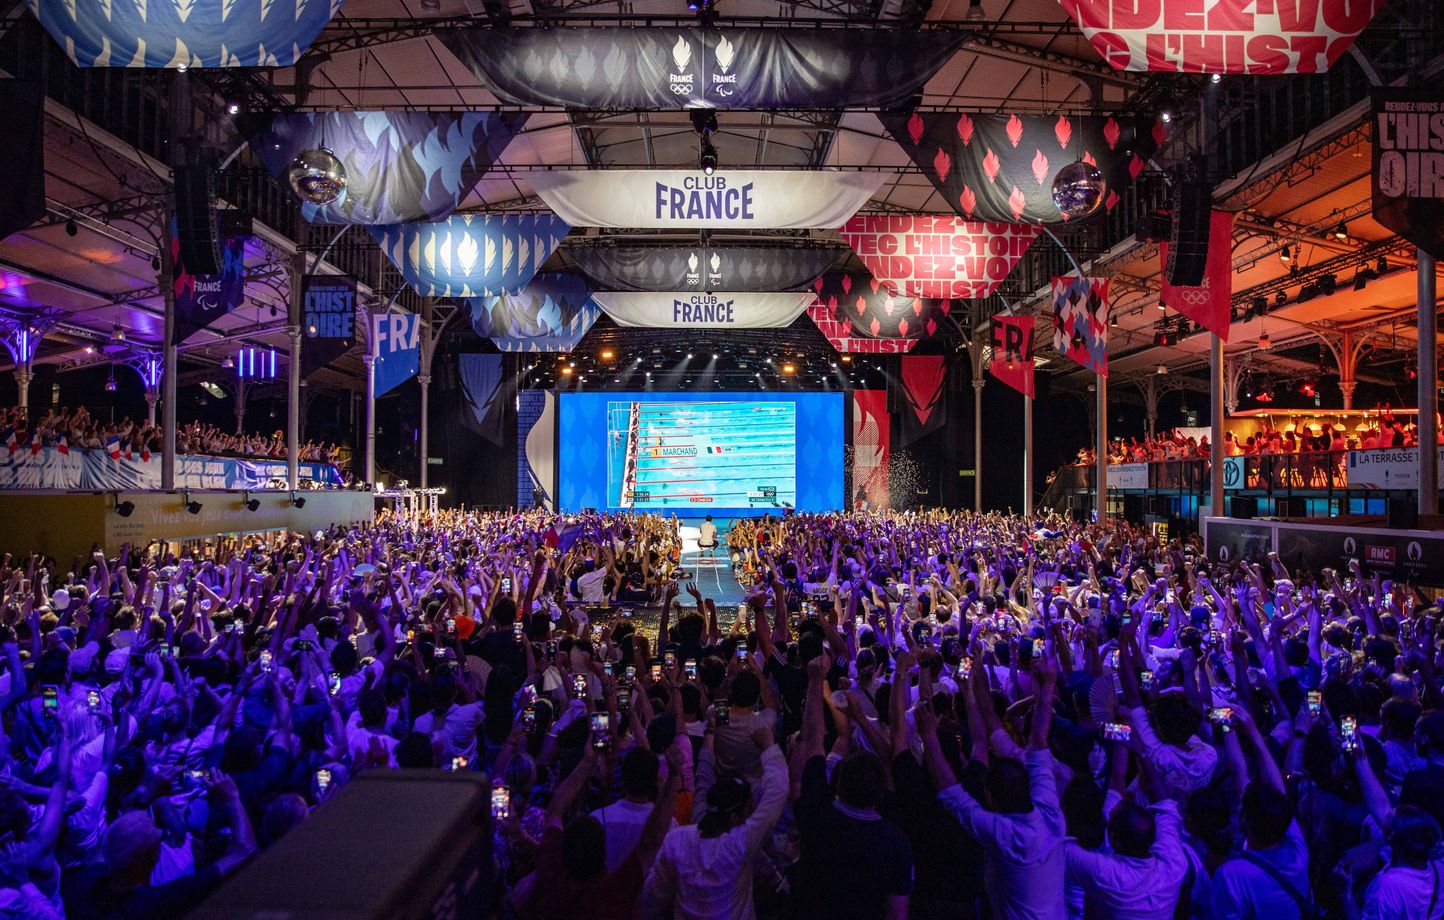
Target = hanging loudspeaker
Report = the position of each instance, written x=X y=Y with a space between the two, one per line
x=1188 y=240
x=195 y=216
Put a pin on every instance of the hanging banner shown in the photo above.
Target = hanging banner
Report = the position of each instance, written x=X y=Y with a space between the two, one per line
x=1001 y=167
x=680 y=199
x=681 y=310
x=923 y=378
x=400 y=166
x=1209 y=304
x=328 y=320
x=184 y=33
x=921 y=255
x=1012 y=341
x=1395 y=468
x=682 y=68
x=202 y=299
x=471 y=255
x=22 y=150
x=546 y=307
x=1181 y=36
x=481 y=377
x=78 y=469
x=840 y=336
x=562 y=341
x=703 y=268
x=1080 y=321
x=871 y=449
x=396 y=345
x=1408 y=176
x=861 y=300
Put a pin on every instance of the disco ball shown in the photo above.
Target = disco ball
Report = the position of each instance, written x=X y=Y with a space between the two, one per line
x=317 y=176
x=1078 y=190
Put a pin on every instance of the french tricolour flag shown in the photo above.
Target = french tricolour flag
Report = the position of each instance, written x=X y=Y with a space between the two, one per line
x=63 y=445
x=112 y=447
x=34 y=442
x=11 y=442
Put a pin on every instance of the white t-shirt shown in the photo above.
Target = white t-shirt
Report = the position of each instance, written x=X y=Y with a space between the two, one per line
x=589 y=586
x=708 y=534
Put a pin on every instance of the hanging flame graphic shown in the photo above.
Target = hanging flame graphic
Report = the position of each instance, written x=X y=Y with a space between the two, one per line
x=466 y=253
x=991 y=165
x=965 y=128
x=1111 y=133
x=915 y=128
x=1063 y=130
x=1016 y=202
x=725 y=53
x=902 y=326
x=968 y=200
x=1015 y=129
x=942 y=163
x=847 y=284
x=1040 y=166
x=681 y=54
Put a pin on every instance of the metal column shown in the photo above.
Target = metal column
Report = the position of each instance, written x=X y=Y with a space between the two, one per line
x=370 y=362
x=425 y=381
x=1028 y=457
x=977 y=444
x=23 y=376
x=293 y=409
x=1215 y=424
x=1428 y=387
x=1100 y=462
x=168 y=374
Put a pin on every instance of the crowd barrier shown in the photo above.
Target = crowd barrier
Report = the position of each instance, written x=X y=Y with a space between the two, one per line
x=99 y=471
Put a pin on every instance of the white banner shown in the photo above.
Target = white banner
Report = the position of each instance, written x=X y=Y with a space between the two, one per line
x=690 y=200
x=680 y=310
x=1128 y=476
x=1387 y=469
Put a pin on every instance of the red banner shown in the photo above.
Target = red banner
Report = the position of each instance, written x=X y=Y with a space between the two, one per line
x=871 y=448
x=1013 y=352
x=1209 y=304
x=1224 y=37
x=922 y=380
x=920 y=255
x=839 y=334
x=1080 y=321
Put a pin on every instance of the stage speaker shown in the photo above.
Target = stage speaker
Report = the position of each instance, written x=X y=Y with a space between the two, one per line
x=197 y=230
x=1403 y=514
x=393 y=844
x=1188 y=239
x=1243 y=507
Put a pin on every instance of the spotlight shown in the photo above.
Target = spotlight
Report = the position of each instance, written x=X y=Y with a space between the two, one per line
x=567 y=371
x=1360 y=281
x=1327 y=283
x=1381 y=266
x=117 y=333
x=789 y=369
x=71 y=228
x=155 y=263
x=1215 y=78
x=194 y=507
x=606 y=354
x=1113 y=320
x=847 y=359
x=1285 y=256
x=124 y=509
x=714 y=357
x=298 y=500
x=90 y=349
x=1166 y=116
x=975 y=11
x=1161 y=370
x=1341 y=233
x=1281 y=298
x=110 y=384
x=253 y=504
x=1260 y=306
x=689 y=356
x=227 y=363
x=1263 y=342
x=234 y=108
x=708 y=160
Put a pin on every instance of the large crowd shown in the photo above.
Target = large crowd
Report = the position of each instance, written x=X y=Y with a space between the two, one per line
x=928 y=715
x=30 y=430
x=1385 y=431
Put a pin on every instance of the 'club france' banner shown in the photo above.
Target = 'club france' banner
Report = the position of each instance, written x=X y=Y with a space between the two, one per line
x=400 y=166
x=840 y=336
x=1181 y=36
x=672 y=199
x=202 y=299
x=1408 y=175
x=1012 y=341
x=471 y=255
x=683 y=310
x=1001 y=167
x=860 y=299
x=919 y=255
x=674 y=68
x=184 y=33
x=1210 y=304
x=396 y=345
x=1080 y=321
x=703 y=268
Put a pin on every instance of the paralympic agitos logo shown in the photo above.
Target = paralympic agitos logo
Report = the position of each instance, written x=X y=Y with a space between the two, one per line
x=704 y=198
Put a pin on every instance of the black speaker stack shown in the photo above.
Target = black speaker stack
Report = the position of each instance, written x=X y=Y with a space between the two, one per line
x=197 y=230
x=1188 y=237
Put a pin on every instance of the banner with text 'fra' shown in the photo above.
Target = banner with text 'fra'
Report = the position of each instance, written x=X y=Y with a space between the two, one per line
x=923 y=255
x=682 y=310
x=1012 y=341
x=691 y=200
x=1190 y=36
x=396 y=346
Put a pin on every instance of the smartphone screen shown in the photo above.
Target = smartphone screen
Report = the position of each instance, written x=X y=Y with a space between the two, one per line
x=579 y=686
x=92 y=700
x=656 y=671
x=723 y=710
x=1038 y=648
x=50 y=700
x=500 y=802
x=601 y=731
x=265 y=662
x=1349 y=733
x=1316 y=702
x=690 y=669
x=1145 y=680
x=1117 y=731
x=458 y=764
x=323 y=779
x=333 y=682
x=670 y=658
x=516 y=629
